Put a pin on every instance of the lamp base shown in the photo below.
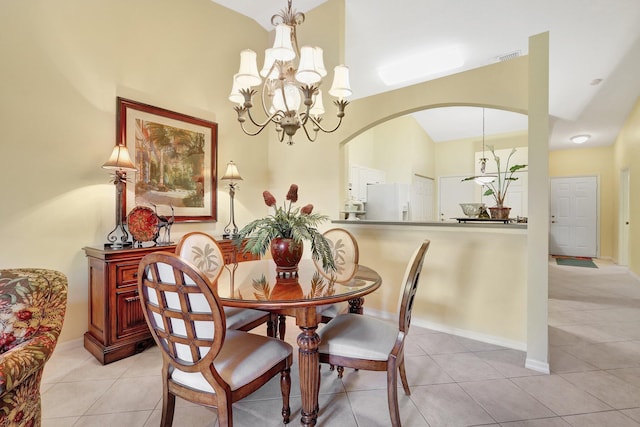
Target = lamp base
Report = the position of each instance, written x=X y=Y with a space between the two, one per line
x=118 y=245
x=229 y=236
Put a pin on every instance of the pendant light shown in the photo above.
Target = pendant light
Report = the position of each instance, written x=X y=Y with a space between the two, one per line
x=484 y=178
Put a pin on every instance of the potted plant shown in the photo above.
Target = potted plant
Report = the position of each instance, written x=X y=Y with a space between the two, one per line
x=500 y=185
x=284 y=231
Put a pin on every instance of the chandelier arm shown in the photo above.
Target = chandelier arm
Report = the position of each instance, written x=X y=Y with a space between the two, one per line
x=260 y=126
x=260 y=129
x=319 y=126
x=269 y=119
x=306 y=131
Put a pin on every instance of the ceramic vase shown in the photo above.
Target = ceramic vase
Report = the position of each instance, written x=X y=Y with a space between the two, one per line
x=499 y=212
x=286 y=254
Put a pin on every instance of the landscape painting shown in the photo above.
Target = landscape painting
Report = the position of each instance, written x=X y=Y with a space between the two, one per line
x=174 y=156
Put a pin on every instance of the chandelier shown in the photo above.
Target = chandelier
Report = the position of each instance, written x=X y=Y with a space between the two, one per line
x=291 y=97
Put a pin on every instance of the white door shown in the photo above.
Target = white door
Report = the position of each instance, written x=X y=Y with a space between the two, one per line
x=623 y=229
x=421 y=199
x=574 y=218
x=451 y=192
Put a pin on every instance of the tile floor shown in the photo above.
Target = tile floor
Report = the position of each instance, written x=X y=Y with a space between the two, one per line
x=594 y=332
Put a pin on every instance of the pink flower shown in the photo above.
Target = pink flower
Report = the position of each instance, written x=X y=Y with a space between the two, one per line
x=269 y=200
x=306 y=210
x=292 y=195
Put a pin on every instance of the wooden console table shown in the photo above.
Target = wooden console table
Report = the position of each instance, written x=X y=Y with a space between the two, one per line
x=117 y=328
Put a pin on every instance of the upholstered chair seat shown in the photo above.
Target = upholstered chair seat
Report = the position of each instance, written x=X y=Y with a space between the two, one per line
x=364 y=342
x=358 y=336
x=242 y=358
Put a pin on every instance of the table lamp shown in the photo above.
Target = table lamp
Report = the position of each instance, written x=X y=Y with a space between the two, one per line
x=231 y=175
x=120 y=163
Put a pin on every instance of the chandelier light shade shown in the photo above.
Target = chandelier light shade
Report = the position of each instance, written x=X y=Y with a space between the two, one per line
x=290 y=95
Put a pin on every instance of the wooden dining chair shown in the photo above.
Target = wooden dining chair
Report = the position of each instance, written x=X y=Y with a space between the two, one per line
x=346 y=254
x=205 y=253
x=203 y=361
x=364 y=342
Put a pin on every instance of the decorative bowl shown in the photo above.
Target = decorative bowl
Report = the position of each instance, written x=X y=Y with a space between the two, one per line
x=472 y=210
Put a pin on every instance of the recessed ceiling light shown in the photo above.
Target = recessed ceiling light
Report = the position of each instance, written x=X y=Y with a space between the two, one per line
x=421 y=65
x=579 y=139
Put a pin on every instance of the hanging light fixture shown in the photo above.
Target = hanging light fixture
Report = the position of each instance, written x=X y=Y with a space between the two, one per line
x=484 y=178
x=291 y=97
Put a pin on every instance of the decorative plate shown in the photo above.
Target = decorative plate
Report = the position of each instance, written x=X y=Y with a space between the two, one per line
x=143 y=224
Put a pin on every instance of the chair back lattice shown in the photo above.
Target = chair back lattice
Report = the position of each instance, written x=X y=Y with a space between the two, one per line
x=204 y=252
x=344 y=249
x=410 y=281
x=185 y=317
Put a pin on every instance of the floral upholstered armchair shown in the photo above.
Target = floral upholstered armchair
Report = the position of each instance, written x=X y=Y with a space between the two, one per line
x=32 y=308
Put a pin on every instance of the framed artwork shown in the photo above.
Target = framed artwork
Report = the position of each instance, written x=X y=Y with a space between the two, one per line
x=175 y=157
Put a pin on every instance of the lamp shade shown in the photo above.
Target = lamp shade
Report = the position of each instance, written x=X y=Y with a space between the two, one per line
x=248 y=74
x=235 y=95
x=484 y=179
x=120 y=160
x=268 y=70
x=287 y=99
x=319 y=61
x=307 y=72
x=340 y=87
x=231 y=174
x=282 y=47
x=317 y=109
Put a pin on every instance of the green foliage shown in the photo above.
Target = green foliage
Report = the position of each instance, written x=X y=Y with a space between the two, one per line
x=498 y=188
x=288 y=222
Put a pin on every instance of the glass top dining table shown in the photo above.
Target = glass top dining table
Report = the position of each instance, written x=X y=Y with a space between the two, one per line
x=256 y=285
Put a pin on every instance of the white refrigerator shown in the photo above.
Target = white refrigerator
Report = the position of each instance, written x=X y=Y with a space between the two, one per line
x=387 y=202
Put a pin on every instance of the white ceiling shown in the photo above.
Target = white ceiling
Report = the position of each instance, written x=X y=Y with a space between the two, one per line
x=589 y=39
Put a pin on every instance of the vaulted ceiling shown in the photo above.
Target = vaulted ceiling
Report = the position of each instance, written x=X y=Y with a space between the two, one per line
x=594 y=55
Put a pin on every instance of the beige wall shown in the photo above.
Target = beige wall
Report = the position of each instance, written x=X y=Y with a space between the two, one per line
x=58 y=119
x=594 y=162
x=503 y=85
x=457 y=157
x=465 y=286
x=399 y=147
x=627 y=156
x=63 y=64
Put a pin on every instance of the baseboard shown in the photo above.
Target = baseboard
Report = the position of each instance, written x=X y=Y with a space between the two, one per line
x=489 y=339
x=538 y=366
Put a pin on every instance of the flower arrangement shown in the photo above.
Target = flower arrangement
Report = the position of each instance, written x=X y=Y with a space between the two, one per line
x=499 y=187
x=287 y=222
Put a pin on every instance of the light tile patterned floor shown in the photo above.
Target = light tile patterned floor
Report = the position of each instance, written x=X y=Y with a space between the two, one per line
x=594 y=332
